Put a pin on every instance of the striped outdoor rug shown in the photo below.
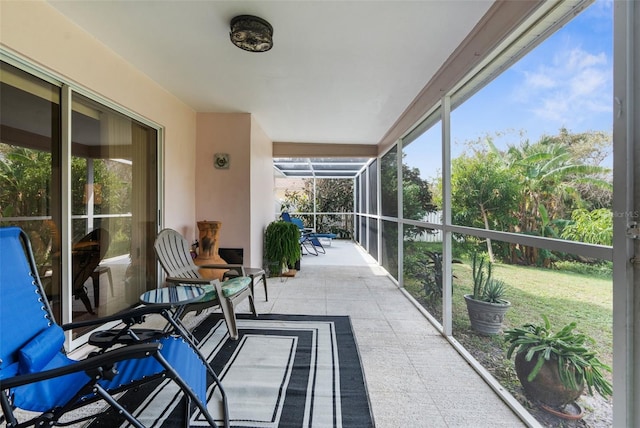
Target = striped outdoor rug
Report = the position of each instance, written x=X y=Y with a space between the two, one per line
x=283 y=371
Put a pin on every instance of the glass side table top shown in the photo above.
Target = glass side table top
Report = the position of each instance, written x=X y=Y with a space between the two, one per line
x=175 y=295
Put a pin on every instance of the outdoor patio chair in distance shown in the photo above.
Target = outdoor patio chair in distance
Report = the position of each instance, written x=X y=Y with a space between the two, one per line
x=308 y=242
x=175 y=258
x=36 y=374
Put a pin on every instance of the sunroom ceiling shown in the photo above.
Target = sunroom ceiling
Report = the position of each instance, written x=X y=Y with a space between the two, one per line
x=340 y=72
x=318 y=168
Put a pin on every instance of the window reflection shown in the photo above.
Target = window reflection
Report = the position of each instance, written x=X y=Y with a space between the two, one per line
x=114 y=209
x=30 y=169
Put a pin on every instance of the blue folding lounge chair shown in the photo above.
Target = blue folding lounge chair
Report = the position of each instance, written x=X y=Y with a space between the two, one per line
x=36 y=374
x=310 y=243
x=309 y=239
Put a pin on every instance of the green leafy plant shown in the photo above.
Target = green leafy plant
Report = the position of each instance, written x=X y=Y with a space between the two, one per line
x=282 y=246
x=576 y=363
x=494 y=290
x=430 y=272
x=595 y=227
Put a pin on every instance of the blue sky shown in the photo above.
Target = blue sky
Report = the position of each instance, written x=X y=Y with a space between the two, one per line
x=565 y=81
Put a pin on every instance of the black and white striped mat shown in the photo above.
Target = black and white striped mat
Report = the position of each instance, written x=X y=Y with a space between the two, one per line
x=283 y=371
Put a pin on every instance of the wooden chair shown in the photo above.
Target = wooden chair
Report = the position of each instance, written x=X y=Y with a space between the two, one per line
x=86 y=256
x=175 y=258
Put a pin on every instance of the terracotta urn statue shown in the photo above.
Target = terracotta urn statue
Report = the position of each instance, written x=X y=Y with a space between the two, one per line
x=208 y=249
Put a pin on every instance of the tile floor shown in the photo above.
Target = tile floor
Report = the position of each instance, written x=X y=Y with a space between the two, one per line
x=414 y=377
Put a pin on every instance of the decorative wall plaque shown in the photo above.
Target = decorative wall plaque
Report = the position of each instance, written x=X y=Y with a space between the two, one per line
x=221 y=160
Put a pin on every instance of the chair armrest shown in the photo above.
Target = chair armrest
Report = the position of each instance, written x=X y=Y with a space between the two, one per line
x=106 y=359
x=136 y=315
x=224 y=266
x=195 y=281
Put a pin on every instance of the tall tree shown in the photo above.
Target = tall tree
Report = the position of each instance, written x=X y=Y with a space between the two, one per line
x=483 y=193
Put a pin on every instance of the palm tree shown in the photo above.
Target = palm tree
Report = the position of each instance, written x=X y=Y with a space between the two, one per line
x=549 y=177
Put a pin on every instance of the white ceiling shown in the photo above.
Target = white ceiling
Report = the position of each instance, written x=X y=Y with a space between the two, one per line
x=339 y=71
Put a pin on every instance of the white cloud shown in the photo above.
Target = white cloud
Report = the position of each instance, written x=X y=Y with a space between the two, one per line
x=569 y=88
x=580 y=59
x=539 y=80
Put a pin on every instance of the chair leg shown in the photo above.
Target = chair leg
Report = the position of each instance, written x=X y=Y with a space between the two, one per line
x=228 y=311
x=186 y=419
x=95 y=280
x=252 y=304
x=81 y=293
x=309 y=247
x=264 y=281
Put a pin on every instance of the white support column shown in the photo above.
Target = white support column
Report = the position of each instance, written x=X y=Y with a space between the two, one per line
x=400 y=252
x=447 y=275
x=626 y=207
x=379 y=211
x=315 y=204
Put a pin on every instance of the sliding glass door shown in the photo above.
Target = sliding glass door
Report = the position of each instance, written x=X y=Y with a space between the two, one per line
x=106 y=216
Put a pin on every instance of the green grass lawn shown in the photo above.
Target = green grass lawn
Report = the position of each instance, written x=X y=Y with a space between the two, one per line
x=563 y=297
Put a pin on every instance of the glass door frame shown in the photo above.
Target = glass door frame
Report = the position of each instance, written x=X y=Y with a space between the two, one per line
x=67 y=89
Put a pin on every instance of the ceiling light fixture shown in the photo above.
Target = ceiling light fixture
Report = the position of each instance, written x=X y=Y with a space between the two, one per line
x=251 y=33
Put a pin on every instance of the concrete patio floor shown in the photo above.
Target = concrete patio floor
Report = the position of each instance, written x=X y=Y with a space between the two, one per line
x=414 y=376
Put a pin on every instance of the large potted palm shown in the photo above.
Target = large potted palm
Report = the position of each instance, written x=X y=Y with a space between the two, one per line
x=486 y=306
x=281 y=247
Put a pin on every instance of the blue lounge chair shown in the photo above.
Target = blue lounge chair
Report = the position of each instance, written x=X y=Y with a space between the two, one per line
x=36 y=374
x=309 y=239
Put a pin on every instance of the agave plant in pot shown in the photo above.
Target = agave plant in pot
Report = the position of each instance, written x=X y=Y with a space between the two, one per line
x=486 y=306
x=554 y=368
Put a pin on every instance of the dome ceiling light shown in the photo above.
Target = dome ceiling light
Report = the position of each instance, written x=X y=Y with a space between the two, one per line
x=251 y=33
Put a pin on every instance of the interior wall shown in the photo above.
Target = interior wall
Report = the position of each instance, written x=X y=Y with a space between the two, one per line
x=261 y=195
x=224 y=194
x=40 y=34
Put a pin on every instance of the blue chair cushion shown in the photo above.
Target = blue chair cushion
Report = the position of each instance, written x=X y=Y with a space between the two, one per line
x=40 y=350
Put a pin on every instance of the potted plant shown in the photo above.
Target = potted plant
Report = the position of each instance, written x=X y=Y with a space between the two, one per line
x=486 y=306
x=554 y=368
x=282 y=246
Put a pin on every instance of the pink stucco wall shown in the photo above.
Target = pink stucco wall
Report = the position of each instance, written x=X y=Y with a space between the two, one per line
x=36 y=32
